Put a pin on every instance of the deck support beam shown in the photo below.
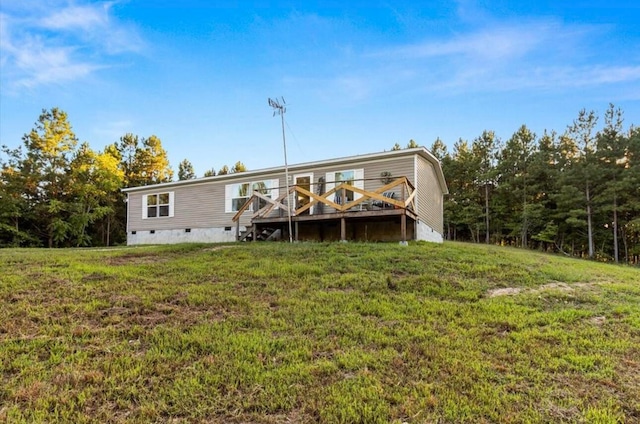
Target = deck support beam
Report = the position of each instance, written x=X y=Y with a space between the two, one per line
x=343 y=229
x=403 y=227
x=296 y=230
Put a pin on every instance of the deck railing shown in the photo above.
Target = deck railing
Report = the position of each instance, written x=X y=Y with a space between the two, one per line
x=368 y=200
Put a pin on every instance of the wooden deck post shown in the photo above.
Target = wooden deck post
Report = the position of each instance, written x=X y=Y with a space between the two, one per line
x=343 y=229
x=296 y=230
x=238 y=230
x=403 y=227
x=254 y=232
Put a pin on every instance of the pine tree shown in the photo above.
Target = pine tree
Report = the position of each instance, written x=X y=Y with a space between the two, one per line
x=185 y=170
x=49 y=148
x=514 y=182
x=485 y=148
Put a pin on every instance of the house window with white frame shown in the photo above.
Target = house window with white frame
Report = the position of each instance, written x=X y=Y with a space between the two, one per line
x=354 y=177
x=239 y=195
x=236 y=195
x=346 y=177
x=264 y=188
x=157 y=205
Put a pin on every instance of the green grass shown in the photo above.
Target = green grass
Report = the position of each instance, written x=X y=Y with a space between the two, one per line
x=333 y=333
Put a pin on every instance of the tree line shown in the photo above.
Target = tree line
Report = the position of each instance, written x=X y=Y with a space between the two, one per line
x=577 y=192
x=58 y=192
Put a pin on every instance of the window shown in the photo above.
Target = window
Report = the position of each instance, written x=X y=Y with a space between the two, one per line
x=236 y=195
x=264 y=188
x=354 y=177
x=239 y=195
x=158 y=205
x=345 y=177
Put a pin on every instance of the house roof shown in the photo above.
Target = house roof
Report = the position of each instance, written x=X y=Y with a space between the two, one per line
x=422 y=151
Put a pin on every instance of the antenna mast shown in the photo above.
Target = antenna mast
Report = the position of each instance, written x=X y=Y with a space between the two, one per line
x=280 y=109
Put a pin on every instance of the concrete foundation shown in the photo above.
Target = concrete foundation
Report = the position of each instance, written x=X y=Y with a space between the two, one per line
x=356 y=230
x=427 y=233
x=194 y=235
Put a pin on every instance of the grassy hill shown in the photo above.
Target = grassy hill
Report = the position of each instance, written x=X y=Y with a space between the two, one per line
x=335 y=333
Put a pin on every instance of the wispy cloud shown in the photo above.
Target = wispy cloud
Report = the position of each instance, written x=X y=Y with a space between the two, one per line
x=58 y=45
x=534 y=54
x=77 y=17
x=571 y=77
x=497 y=43
x=44 y=65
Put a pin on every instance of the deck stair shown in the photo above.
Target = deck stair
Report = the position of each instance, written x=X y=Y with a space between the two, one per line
x=264 y=234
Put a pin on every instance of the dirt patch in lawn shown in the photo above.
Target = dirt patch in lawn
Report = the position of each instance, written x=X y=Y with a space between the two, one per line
x=507 y=291
x=556 y=285
x=216 y=248
x=136 y=259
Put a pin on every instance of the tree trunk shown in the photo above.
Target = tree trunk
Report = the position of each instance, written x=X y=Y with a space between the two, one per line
x=486 y=208
x=615 y=229
x=108 y=229
x=626 y=246
x=525 y=241
x=525 y=223
x=589 y=224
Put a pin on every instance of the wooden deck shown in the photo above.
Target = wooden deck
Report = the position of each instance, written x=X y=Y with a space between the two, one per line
x=359 y=205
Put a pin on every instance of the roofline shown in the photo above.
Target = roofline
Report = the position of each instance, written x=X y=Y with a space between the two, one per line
x=422 y=151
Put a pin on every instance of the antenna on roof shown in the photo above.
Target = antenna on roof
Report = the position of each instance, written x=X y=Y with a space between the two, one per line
x=280 y=109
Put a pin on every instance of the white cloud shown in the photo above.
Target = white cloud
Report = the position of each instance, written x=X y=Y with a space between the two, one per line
x=542 y=54
x=495 y=43
x=58 y=45
x=49 y=65
x=77 y=17
x=584 y=76
x=611 y=74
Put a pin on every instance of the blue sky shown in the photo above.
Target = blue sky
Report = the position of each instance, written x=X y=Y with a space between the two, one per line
x=357 y=76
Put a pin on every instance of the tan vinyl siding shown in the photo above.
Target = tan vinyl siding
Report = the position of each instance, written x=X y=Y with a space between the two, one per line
x=429 y=197
x=398 y=167
x=196 y=206
x=202 y=205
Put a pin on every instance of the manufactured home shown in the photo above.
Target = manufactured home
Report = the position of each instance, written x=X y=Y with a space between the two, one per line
x=388 y=196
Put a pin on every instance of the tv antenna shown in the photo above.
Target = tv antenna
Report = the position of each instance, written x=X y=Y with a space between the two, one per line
x=279 y=108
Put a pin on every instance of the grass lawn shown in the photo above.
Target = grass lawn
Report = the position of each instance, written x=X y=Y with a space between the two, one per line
x=332 y=333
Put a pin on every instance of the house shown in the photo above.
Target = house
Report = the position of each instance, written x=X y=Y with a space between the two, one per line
x=395 y=195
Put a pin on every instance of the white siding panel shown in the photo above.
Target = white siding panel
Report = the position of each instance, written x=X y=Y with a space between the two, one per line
x=227 y=198
x=172 y=198
x=358 y=176
x=275 y=191
x=330 y=184
x=144 y=206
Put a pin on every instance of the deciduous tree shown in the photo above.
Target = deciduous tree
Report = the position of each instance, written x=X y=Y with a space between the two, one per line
x=238 y=167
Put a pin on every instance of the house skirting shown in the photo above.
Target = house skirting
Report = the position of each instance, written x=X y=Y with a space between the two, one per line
x=184 y=235
x=426 y=233
x=356 y=230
